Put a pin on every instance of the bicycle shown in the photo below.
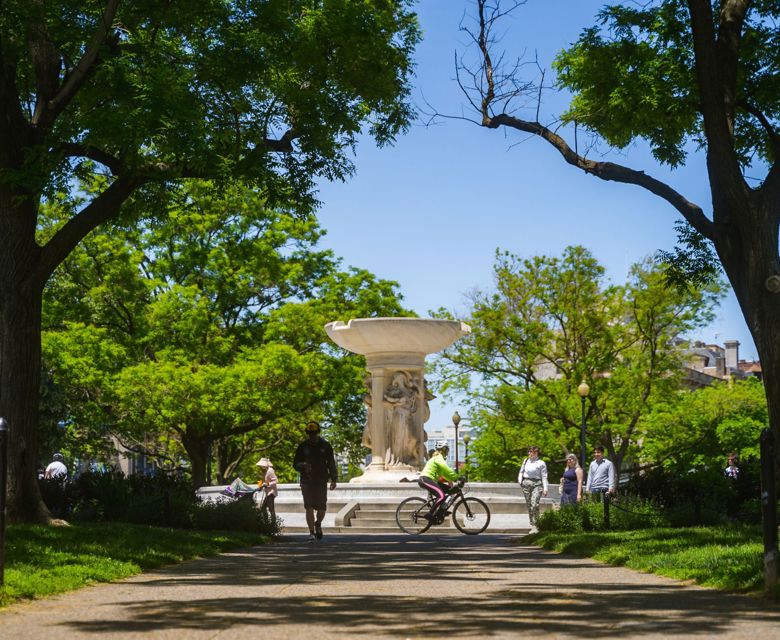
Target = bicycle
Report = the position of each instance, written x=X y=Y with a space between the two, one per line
x=469 y=515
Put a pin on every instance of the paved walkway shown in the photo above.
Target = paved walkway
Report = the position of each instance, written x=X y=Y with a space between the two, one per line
x=393 y=587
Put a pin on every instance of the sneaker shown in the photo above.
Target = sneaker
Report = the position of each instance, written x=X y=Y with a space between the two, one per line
x=318 y=531
x=312 y=538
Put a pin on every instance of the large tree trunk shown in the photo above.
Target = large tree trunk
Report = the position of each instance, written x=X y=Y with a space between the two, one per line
x=20 y=353
x=749 y=256
x=197 y=448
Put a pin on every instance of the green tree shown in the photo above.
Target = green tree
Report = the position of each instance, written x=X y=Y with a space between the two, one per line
x=693 y=430
x=554 y=322
x=681 y=76
x=208 y=340
x=190 y=407
x=148 y=93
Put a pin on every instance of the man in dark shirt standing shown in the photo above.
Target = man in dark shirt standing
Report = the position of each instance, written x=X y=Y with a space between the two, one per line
x=315 y=462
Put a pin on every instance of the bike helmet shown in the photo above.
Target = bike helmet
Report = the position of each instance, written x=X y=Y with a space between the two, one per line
x=58 y=457
x=442 y=444
x=313 y=427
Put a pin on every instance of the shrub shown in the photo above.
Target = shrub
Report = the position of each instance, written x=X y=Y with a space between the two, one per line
x=626 y=513
x=160 y=500
x=235 y=515
x=702 y=496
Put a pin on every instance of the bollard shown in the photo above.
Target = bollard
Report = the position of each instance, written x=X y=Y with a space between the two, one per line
x=3 y=472
x=607 y=497
x=769 y=508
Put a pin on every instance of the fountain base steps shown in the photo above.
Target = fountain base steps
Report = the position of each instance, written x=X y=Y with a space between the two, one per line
x=370 y=508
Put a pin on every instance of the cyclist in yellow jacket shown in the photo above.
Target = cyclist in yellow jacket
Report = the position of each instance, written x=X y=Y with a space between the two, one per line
x=436 y=475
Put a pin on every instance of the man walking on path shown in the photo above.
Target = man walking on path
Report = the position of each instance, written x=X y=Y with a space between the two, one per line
x=601 y=474
x=315 y=461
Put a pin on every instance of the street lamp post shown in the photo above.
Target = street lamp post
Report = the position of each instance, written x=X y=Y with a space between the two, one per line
x=456 y=422
x=583 y=390
x=466 y=440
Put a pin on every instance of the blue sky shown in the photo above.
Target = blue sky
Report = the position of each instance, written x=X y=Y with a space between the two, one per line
x=430 y=211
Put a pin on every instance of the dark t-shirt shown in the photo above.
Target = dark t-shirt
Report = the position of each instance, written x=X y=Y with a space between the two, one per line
x=320 y=456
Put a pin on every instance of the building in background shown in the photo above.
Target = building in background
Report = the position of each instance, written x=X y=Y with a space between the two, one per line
x=448 y=433
x=707 y=363
x=703 y=364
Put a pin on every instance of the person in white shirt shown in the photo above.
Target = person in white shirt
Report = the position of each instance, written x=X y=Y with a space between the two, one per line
x=56 y=469
x=533 y=482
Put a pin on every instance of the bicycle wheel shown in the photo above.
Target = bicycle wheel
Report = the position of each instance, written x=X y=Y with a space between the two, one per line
x=409 y=516
x=471 y=516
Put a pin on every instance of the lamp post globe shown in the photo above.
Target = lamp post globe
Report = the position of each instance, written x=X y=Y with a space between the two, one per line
x=582 y=390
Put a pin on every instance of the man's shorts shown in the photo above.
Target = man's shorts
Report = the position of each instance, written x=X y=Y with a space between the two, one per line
x=315 y=496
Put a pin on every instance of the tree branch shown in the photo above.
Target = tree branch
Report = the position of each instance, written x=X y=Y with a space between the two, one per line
x=142 y=449
x=102 y=208
x=732 y=18
x=75 y=150
x=283 y=144
x=76 y=77
x=764 y=121
x=716 y=93
x=608 y=171
x=45 y=62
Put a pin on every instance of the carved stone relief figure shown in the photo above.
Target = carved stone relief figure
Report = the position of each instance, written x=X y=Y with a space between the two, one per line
x=401 y=401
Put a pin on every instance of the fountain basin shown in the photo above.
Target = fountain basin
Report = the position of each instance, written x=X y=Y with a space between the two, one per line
x=368 y=336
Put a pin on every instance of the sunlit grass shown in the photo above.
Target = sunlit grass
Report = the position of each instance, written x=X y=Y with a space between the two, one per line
x=41 y=561
x=727 y=557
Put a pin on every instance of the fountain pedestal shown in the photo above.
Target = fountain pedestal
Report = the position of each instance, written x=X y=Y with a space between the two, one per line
x=397 y=399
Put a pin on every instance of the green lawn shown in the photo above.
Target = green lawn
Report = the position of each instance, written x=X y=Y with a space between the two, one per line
x=725 y=557
x=40 y=561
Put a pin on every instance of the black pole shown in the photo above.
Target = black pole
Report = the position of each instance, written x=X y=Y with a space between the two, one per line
x=769 y=509
x=582 y=436
x=456 y=448
x=208 y=463
x=3 y=473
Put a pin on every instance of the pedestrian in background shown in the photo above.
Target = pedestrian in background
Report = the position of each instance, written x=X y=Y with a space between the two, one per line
x=601 y=474
x=315 y=461
x=533 y=482
x=732 y=470
x=571 y=482
x=268 y=486
x=56 y=469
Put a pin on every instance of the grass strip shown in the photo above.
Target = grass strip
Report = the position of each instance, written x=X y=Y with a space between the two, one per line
x=724 y=557
x=41 y=561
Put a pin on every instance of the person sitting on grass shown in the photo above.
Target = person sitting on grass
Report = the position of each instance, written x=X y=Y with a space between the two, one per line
x=436 y=477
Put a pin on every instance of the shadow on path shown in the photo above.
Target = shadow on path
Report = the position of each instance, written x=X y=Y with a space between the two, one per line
x=426 y=586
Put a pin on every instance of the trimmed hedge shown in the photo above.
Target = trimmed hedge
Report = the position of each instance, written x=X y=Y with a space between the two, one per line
x=625 y=514
x=160 y=500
